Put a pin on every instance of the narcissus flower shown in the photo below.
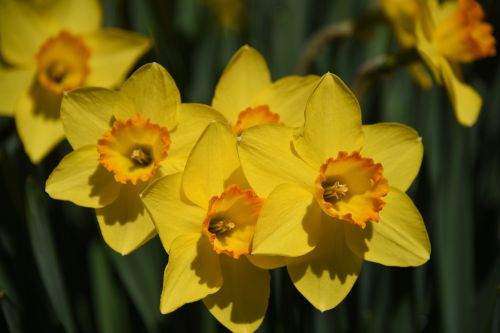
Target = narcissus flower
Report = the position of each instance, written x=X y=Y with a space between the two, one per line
x=403 y=17
x=449 y=34
x=206 y=220
x=53 y=47
x=122 y=141
x=247 y=97
x=335 y=194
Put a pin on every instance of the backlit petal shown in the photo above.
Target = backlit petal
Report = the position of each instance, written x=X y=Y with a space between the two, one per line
x=399 y=239
x=125 y=224
x=398 y=148
x=244 y=76
x=211 y=163
x=288 y=222
x=193 y=272
x=326 y=275
x=193 y=119
x=288 y=97
x=332 y=122
x=114 y=52
x=241 y=303
x=87 y=113
x=152 y=92
x=38 y=123
x=172 y=213
x=80 y=178
x=466 y=101
x=268 y=160
x=78 y=16
x=13 y=82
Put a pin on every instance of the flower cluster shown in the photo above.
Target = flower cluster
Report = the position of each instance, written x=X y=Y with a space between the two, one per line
x=273 y=174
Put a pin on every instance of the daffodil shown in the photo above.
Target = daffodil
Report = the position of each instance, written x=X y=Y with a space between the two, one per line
x=449 y=34
x=122 y=140
x=247 y=97
x=335 y=194
x=206 y=220
x=403 y=17
x=50 y=47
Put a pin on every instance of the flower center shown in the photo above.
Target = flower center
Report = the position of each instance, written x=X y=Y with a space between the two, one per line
x=463 y=36
x=350 y=188
x=259 y=115
x=230 y=221
x=62 y=62
x=132 y=150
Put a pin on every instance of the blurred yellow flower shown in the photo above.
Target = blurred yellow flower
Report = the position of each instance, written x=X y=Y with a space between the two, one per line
x=403 y=16
x=229 y=13
x=335 y=194
x=246 y=96
x=206 y=220
x=50 y=47
x=449 y=34
x=122 y=140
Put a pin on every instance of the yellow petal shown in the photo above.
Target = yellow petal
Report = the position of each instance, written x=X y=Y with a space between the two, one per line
x=173 y=215
x=332 y=122
x=193 y=119
x=152 y=92
x=399 y=239
x=22 y=31
x=268 y=160
x=326 y=275
x=114 y=52
x=466 y=101
x=125 y=224
x=267 y=262
x=244 y=76
x=288 y=97
x=420 y=75
x=38 y=123
x=398 y=147
x=288 y=223
x=25 y=25
x=13 y=82
x=193 y=272
x=80 y=178
x=212 y=162
x=87 y=113
x=241 y=303
x=77 y=16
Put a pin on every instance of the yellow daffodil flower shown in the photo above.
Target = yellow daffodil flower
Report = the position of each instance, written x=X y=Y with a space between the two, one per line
x=403 y=16
x=122 y=140
x=449 y=34
x=51 y=47
x=335 y=194
x=246 y=96
x=206 y=220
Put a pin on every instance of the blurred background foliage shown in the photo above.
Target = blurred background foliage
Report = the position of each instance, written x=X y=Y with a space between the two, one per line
x=57 y=275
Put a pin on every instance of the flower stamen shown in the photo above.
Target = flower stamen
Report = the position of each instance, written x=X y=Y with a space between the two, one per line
x=334 y=191
x=62 y=63
x=132 y=150
x=230 y=221
x=350 y=188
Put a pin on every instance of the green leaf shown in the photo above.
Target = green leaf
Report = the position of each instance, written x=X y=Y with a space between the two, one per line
x=141 y=273
x=111 y=311
x=45 y=254
x=11 y=314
